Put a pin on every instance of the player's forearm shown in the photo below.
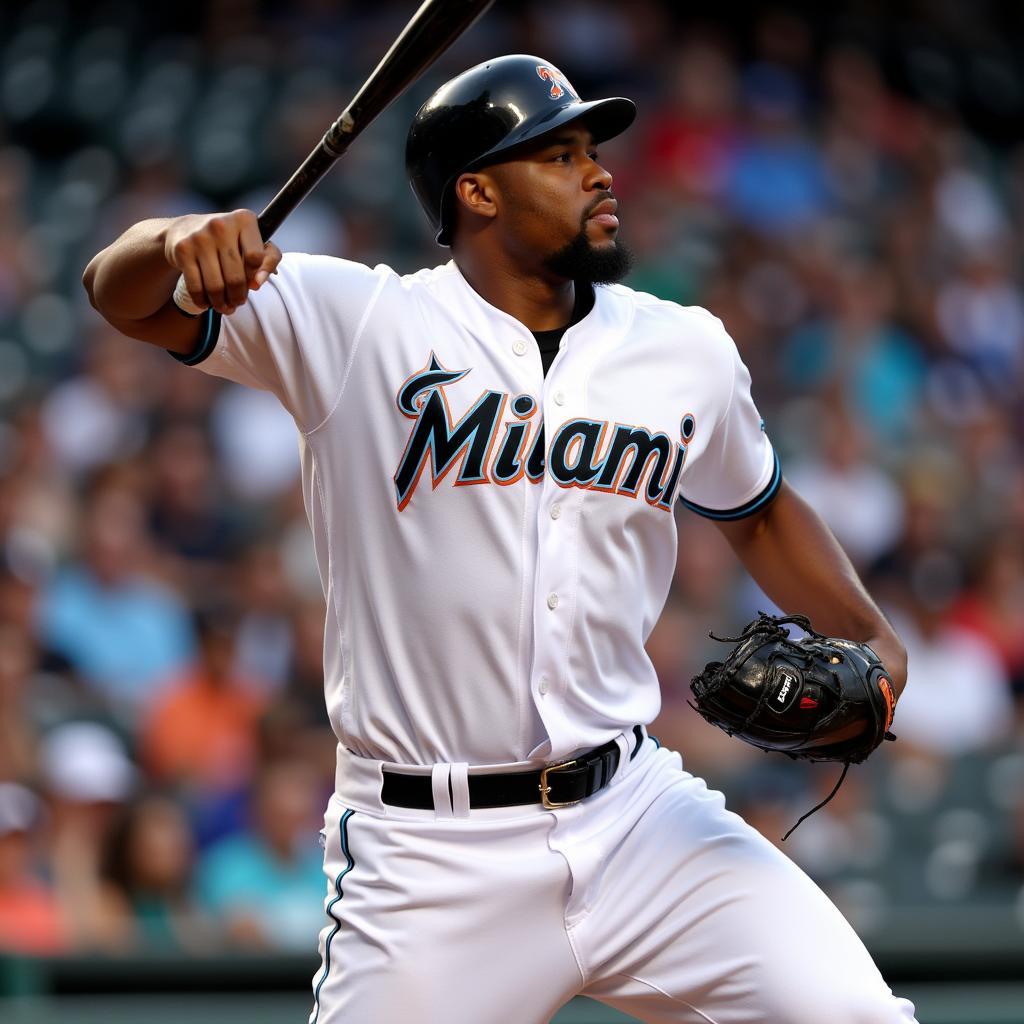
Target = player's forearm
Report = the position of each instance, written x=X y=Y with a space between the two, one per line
x=799 y=564
x=220 y=256
x=131 y=279
x=130 y=284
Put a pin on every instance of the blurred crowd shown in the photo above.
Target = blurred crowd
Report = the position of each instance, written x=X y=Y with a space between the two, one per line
x=165 y=755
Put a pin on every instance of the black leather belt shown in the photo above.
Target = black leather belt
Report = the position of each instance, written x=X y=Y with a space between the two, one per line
x=557 y=785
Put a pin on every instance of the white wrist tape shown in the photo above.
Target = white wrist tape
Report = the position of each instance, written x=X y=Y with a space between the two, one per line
x=183 y=300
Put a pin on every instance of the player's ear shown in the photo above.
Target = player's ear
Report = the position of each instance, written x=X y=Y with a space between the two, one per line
x=476 y=192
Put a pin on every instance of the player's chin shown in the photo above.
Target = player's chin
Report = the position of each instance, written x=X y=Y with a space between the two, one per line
x=597 y=260
x=602 y=231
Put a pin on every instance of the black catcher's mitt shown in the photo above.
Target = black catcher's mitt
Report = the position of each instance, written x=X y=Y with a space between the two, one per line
x=818 y=698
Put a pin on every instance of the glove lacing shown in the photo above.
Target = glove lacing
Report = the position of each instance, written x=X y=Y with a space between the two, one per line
x=818 y=807
x=768 y=629
x=771 y=627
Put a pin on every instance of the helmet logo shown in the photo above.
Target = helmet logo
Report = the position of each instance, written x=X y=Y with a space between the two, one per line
x=559 y=83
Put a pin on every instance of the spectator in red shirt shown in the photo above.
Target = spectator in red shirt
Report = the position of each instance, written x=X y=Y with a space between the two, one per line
x=30 y=919
x=993 y=605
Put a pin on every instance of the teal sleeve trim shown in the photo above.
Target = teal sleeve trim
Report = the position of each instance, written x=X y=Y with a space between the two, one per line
x=210 y=324
x=749 y=508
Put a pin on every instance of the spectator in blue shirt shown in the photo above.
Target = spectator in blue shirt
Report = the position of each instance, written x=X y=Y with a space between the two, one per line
x=266 y=885
x=119 y=626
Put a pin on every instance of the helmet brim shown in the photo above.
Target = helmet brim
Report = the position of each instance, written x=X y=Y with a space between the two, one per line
x=605 y=119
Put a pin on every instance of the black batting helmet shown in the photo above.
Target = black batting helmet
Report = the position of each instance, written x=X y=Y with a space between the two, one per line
x=488 y=109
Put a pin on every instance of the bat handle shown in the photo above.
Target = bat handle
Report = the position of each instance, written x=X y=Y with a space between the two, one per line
x=298 y=186
x=301 y=183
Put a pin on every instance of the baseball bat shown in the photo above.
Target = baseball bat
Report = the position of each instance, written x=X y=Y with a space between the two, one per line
x=431 y=30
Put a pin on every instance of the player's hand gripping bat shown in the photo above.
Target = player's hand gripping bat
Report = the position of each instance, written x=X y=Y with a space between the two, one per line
x=432 y=29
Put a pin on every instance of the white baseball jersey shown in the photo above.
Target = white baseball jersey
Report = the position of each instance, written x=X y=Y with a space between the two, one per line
x=494 y=545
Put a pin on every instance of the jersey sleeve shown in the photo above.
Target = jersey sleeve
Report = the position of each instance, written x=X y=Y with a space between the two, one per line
x=737 y=473
x=296 y=336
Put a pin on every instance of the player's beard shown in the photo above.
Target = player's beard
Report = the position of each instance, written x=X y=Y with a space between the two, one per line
x=583 y=262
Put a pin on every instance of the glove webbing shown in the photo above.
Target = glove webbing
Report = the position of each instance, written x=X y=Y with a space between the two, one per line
x=771 y=628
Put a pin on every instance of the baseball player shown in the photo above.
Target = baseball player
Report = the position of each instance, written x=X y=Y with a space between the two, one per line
x=491 y=453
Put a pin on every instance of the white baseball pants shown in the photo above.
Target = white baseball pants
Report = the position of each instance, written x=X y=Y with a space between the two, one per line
x=649 y=896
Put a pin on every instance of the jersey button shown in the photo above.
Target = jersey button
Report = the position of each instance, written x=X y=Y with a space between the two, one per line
x=519 y=347
x=559 y=398
x=544 y=686
x=552 y=601
x=556 y=511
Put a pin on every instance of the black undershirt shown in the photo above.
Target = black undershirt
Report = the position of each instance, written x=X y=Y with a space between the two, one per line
x=548 y=341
